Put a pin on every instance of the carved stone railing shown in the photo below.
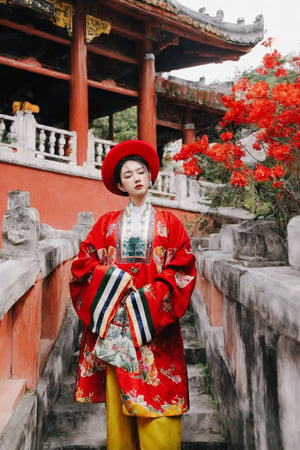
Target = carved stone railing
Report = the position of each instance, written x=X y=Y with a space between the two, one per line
x=247 y=306
x=55 y=144
x=9 y=135
x=35 y=262
x=97 y=150
x=25 y=142
x=164 y=185
x=24 y=139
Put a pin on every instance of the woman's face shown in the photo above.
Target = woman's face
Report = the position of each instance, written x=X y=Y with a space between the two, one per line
x=135 y=180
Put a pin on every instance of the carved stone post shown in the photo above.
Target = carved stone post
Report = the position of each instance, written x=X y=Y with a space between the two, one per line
x=29 y=128
x=20 y=227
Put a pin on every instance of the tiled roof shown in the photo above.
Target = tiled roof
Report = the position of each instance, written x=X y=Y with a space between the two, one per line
x=189 y=92
x=238 y=33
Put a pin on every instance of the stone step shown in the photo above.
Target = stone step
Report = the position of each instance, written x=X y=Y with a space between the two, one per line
x=65 y=417
x=82 y=426
x=197 y=377
x=189 y=318
x=76 y=441
x=194 y=352
x=203 y=441
x=74 y=362
x=202 y=417
x=97 y=441
x=66 y=391
x=189 y=333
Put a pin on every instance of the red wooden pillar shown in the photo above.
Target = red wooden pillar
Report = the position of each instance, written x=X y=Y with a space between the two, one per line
x=111 y=127
x=188 y=128
x=147 y=100
x=78 y=86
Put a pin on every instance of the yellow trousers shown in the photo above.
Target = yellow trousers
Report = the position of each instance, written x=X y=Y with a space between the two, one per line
x=137 y=433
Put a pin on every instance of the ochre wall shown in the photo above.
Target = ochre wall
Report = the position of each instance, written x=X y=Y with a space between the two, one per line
x=59 y=198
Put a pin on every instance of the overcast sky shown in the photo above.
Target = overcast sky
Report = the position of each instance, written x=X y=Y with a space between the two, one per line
x=281 y=21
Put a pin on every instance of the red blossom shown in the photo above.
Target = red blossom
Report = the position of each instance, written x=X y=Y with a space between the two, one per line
x=280 y=152
x=191 y=168
x=278 y=172
x=262 y=71
x=227 y=136
x=280 y=72
x=238 y=179
x=241 y=85
x=259 y=89
x=262 y=173
x=262 y=112
x=218 y=152
x=286 y=94
x=272 y=60
x=274 y=114
x=268 y=42
x=277 y=184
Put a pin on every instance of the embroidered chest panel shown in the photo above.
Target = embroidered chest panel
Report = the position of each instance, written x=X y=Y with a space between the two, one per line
x=134 y=240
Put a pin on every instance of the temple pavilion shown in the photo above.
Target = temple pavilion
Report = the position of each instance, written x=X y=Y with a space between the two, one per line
x=80 y=60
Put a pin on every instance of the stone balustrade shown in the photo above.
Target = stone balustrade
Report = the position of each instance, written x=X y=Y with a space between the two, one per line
x=35 y=264
x=25 y=142
x=22 y=139
x=247 y=300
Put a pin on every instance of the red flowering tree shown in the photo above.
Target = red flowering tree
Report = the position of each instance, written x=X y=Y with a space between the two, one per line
x=273 y=113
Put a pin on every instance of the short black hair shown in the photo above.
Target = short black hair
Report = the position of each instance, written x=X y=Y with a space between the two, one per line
x=117 y=172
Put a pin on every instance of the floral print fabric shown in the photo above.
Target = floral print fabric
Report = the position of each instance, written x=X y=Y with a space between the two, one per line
x=154 y=284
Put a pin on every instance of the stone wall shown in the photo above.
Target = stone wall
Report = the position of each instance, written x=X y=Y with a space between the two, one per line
x=247 y=300
x=34 y=304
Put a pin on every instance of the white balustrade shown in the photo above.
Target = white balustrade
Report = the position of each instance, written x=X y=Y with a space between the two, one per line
x=97 y=150
x=164 y=185
x=30 y=142
x=8 y=131
x=55 y=144
x=23 y=135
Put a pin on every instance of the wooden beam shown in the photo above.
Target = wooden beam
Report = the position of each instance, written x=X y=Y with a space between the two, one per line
x=110 y=54
x=124 y=22
x=31 y=67
x=109 y=85
x=33 y=31
x=167 y=124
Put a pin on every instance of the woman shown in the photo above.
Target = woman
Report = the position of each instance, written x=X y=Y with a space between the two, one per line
x=132 y=281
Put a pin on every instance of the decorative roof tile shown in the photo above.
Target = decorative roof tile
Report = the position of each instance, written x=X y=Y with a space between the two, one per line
x=236 y=33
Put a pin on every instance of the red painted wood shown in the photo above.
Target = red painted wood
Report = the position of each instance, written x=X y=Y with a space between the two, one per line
x=147 y=103
x=33 y=31
x=79 y=84
x=35 y=68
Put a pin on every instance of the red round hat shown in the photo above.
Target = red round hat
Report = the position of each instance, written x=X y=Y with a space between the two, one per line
x=123 y=150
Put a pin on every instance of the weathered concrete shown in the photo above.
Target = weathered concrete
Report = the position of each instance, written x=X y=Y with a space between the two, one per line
x=20 y=227
x=293 y=230
x=254 y=357
x=20 y=433
x=29 y=423
x=16 y=278
x=82 y=426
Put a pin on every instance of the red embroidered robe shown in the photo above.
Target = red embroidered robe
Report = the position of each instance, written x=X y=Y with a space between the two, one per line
x=161 y=268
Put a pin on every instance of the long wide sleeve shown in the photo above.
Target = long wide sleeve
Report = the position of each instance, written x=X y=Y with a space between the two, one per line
x=162 y=302
x=97 y=287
